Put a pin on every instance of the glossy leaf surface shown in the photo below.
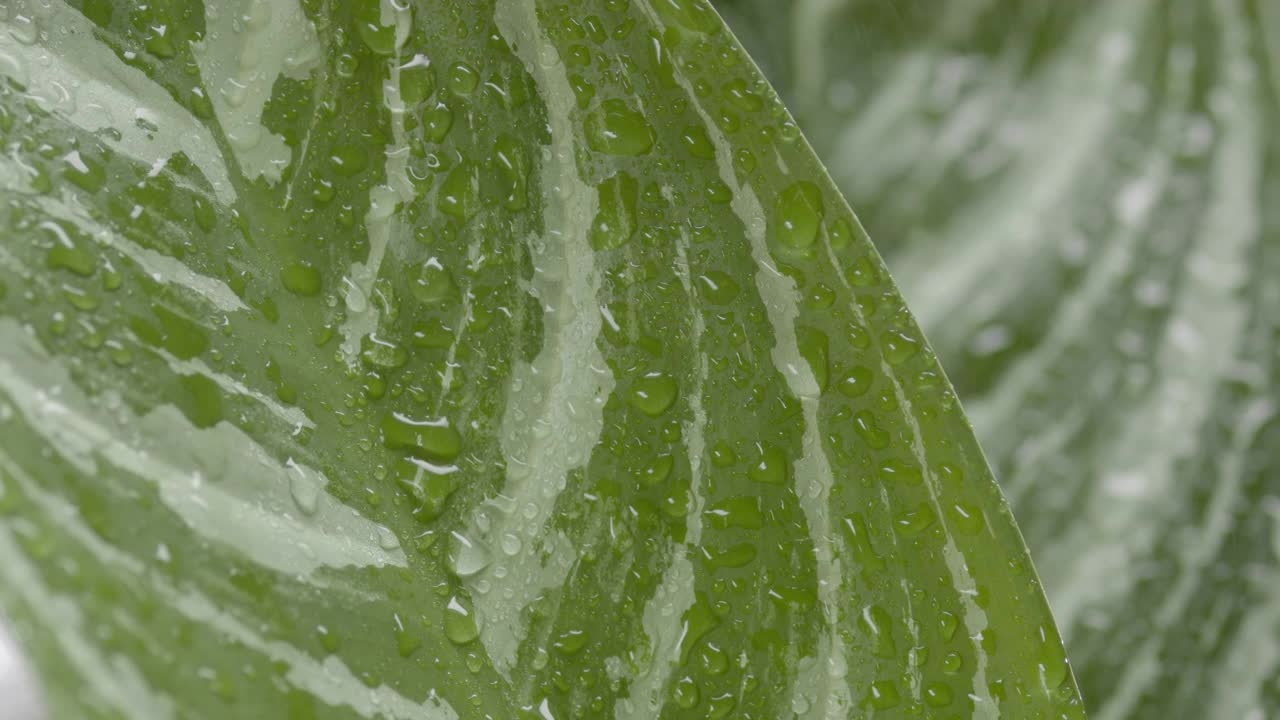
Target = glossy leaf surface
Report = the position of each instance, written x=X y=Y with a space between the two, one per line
x=469 y=360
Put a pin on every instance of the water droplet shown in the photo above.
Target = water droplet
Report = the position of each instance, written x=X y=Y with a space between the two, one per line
x=860 y=539
x=720 y=706
x=379 y=38
x=378 y=352
x=686 y=693
x=467 y=556
x=346 y=65
x=24 y=29
x=463 y=79
x=349 y=160
x=967 y=518
x=1052 y=658
x=13 y=67
x=741 y=96
x=83 y=172
x=899 y=347
x=434 y=285
x=511 y=544
x=68 y=255
x=900 y=471
x=696 y=142
x=798 y=215
x=714 y=661
x=615 y=221
x=913 y=522
x=460 y=622
x=947 y=625
x=814 y=346
x=870 y=432
x=432 y=333
x=875 y=622
x=883 y=695
x=718 y=287
x=434 y=437
x=736 y=556
x=328 y=640
x=387 y=539
x=570 y=642
x=513 y=172
x=742 y=511
x=305 y=489
x=856 y=382
x=771 y=467
x=460 y=191
x=616 y=129
x=407 y=642
x=654 y=393
x=301 y=278
x=722 y=454
x=699 y=620
x=938 y=694
x=417 y=80
x=436 y=122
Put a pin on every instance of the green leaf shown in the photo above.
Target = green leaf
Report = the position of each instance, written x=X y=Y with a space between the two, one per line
x=1078 y=200
x=474 y=360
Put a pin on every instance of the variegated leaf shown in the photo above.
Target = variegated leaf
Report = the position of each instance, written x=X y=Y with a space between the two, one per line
x=461 y=359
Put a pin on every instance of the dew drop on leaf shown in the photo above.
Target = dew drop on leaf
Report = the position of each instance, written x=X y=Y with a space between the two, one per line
x=417 y=80
x=771 y=467
x=434 y=437
x=799 y=215
x=301 y=278
x=615 y=221
x=615 y=129
x=463 y=79
x=856 y=382
x=938 y=694
x=718 y=287
x=467 y=556
x=434 y=284
x=883 y=695
x=460 y=622
x=436 y=122
x=653 y=393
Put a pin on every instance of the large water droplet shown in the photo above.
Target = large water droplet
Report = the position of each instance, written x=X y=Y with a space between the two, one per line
x=434 y=437
x=615 y=221
x=798 y=215
x=770 y=467
x=301 y=278
x=305 y=488
x=467 y=556
x=654 y=393
x=460 y=622
x=434 y=284
x=616 y=129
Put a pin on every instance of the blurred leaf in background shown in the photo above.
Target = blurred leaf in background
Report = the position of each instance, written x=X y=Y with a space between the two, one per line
x=445 y=360
x=1081 y=202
